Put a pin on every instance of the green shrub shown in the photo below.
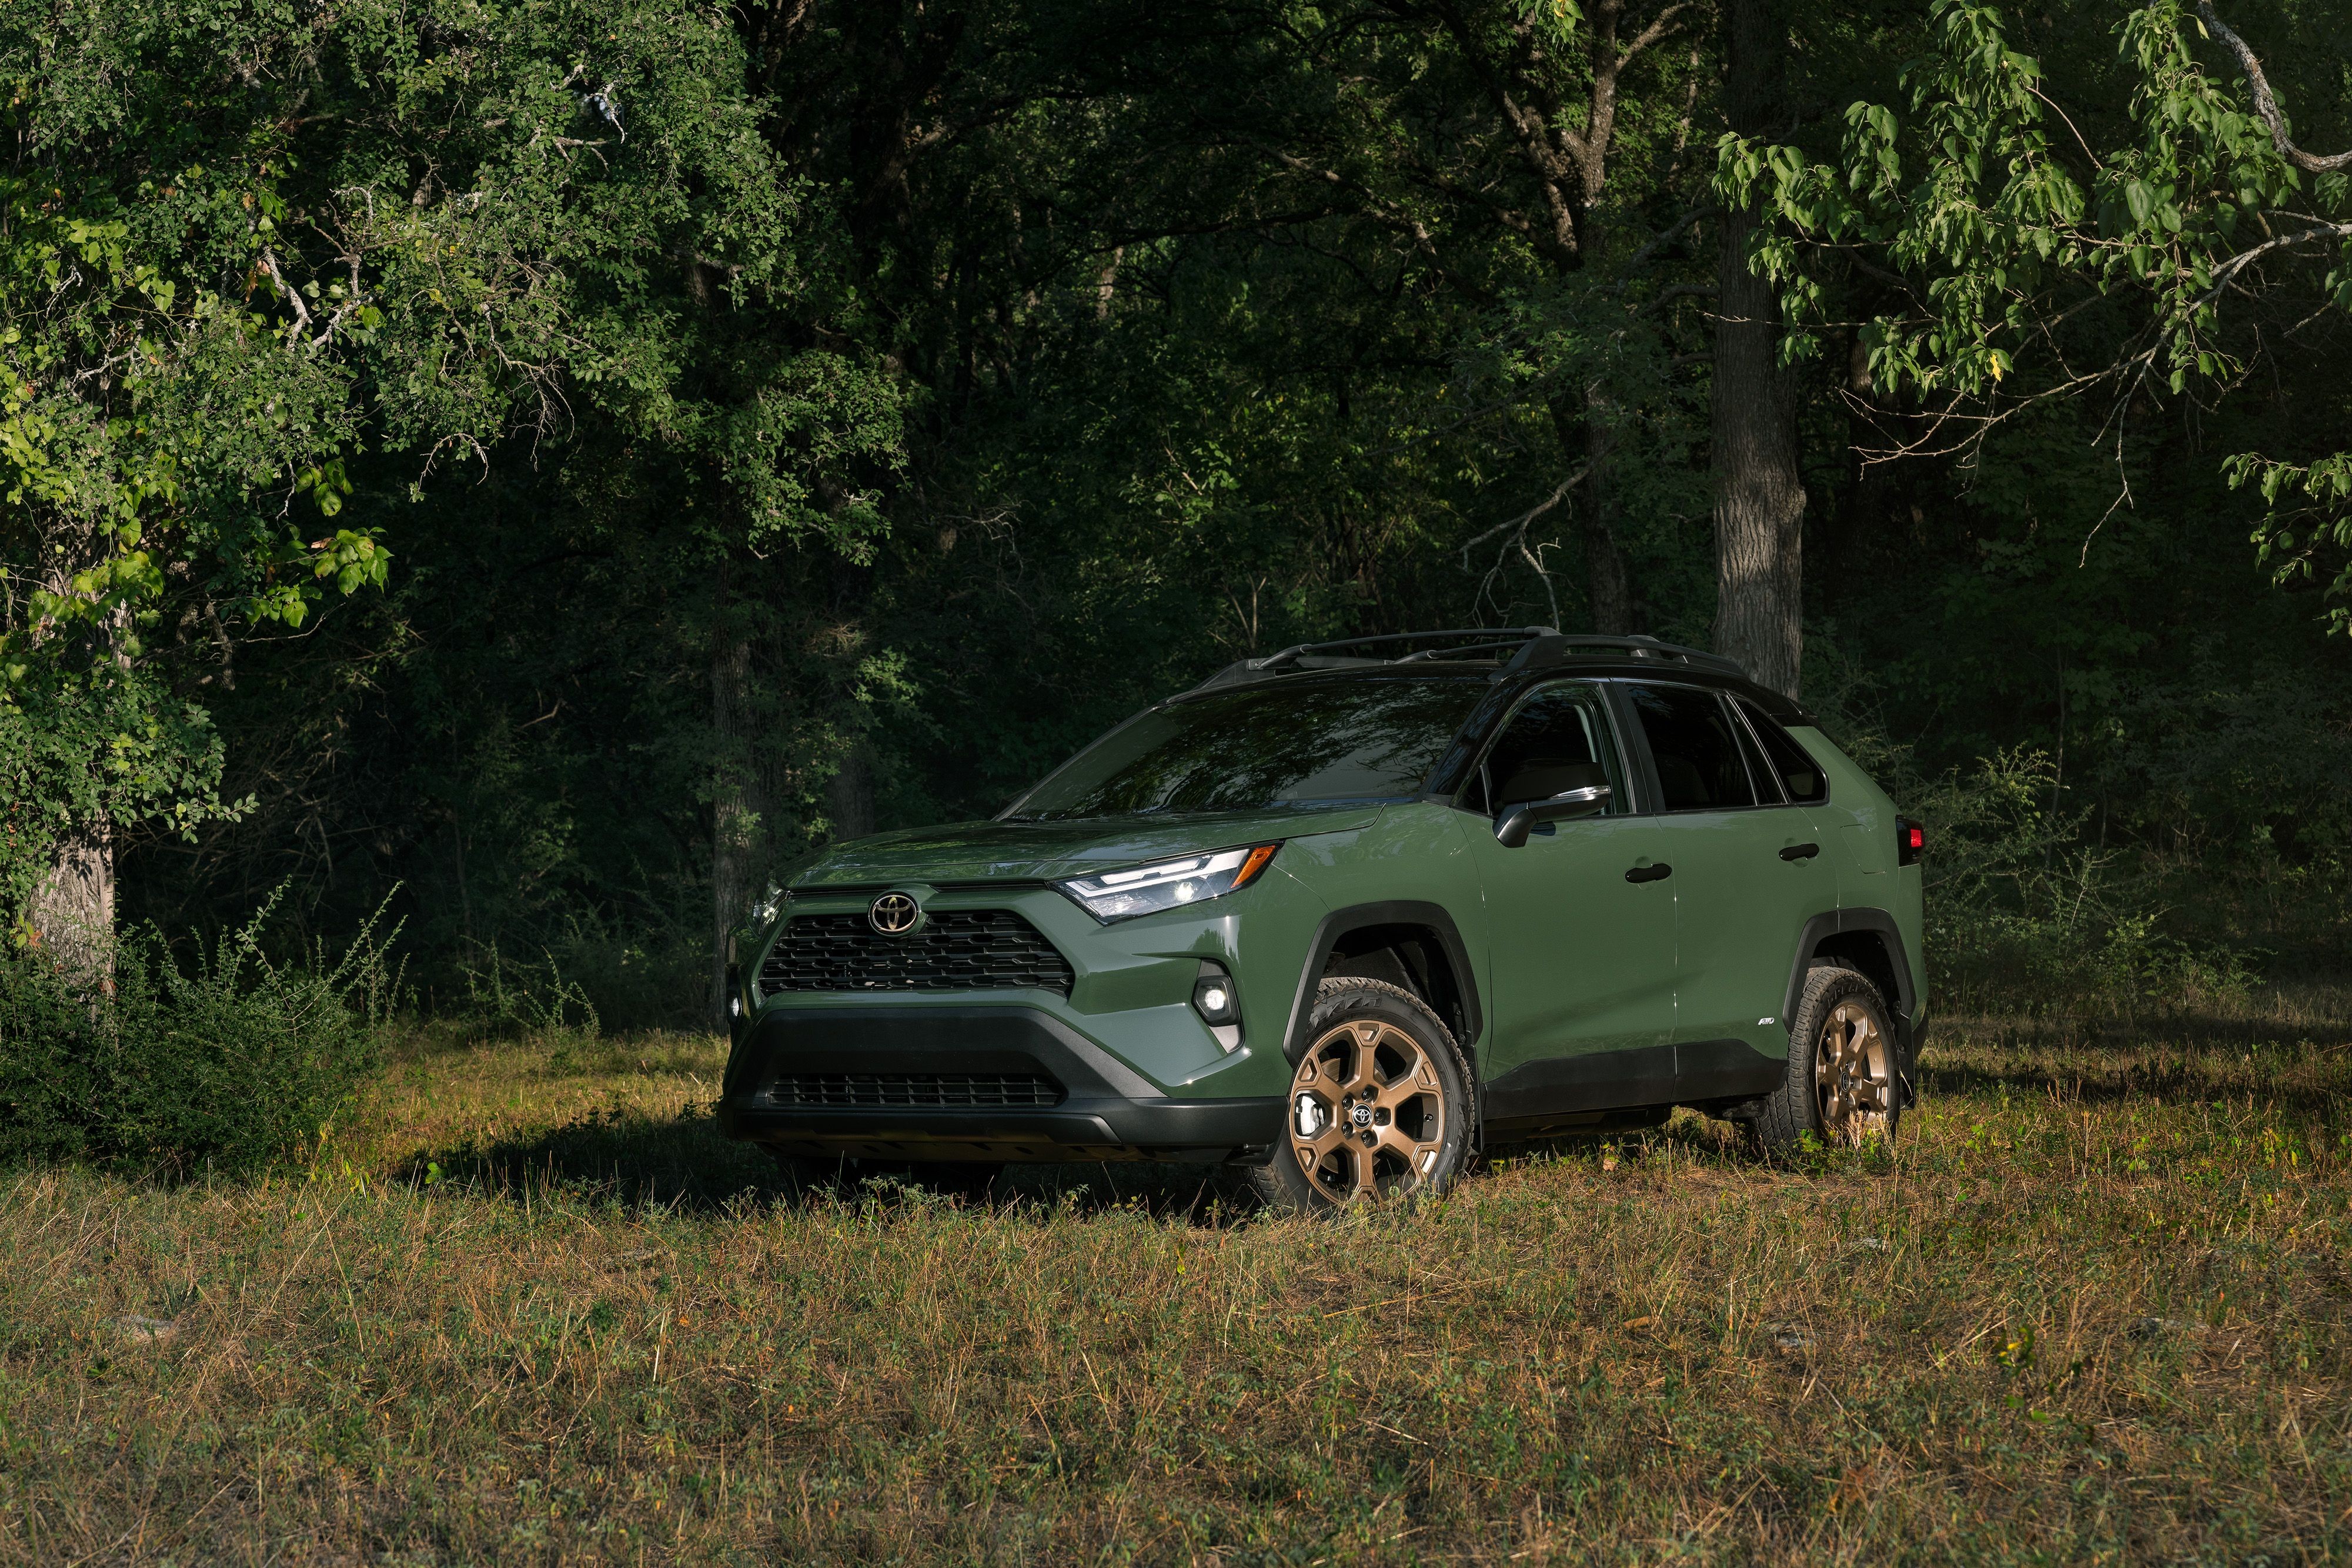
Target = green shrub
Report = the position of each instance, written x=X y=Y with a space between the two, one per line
x=2026 y=912
x=512 y=999
x=233 y=1063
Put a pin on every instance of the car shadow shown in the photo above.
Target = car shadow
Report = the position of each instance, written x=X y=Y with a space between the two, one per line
x=685 y=1165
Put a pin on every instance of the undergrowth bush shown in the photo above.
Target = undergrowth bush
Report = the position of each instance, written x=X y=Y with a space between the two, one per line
x=234 y=1062
x=510 y=997
x=591 y=978
x=2026 y=910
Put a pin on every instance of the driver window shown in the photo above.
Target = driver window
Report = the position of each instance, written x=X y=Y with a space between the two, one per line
x=1557 y=740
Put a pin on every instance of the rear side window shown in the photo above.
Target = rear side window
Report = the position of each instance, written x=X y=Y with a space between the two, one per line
x=1694 y=747
x=1758 y=770
x=1557 y=740
x=1799 y=773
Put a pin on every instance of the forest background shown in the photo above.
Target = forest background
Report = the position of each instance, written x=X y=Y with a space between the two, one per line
x=536 y=469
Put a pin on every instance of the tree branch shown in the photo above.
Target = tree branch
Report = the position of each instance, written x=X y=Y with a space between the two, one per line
x=1653 y=32
x=1531 y=515
x=2237 y=264
x=2267 y=106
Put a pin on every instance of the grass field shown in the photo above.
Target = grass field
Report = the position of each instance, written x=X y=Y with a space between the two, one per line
x=2094 y=1307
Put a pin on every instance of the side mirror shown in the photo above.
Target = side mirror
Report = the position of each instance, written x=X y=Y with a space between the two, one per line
x=1511 y=827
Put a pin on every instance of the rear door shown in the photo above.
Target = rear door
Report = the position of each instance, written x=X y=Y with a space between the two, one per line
x=1749 y=870
x=1583 y=959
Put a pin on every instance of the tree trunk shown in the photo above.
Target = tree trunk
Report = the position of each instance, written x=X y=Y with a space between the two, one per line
x=850 y=797
x=1759 y=496
x=1589 y=433
x=72 y=912
x=735 y=816
x=1608 y=583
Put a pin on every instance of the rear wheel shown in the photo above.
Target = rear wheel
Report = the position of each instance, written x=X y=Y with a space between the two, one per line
x=1380 y=1103
x=1841 y=1085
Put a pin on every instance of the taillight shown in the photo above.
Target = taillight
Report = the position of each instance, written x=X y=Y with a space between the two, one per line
x=1910 y=841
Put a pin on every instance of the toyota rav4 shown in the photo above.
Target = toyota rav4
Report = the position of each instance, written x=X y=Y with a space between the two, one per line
x=1349 y=915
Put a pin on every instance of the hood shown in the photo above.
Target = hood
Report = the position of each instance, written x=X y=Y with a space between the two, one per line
x=1045 y=852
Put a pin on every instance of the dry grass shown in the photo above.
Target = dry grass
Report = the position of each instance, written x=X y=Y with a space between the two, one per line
x=2093 y=1308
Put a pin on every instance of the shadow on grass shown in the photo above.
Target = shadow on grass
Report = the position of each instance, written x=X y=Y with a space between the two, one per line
x=685 y=1165
x=2287 y=1025
x=2302 y=1063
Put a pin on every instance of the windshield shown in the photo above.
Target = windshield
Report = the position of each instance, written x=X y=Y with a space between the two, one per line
x=1319 y=743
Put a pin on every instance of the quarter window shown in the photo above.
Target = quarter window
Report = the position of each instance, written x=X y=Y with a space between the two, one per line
x=1799 y=773
x=1696 y=748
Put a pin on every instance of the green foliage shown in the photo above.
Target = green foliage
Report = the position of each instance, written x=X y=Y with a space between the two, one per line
x=2026 y=913
x=2309 y=510
x=233 y=1063
x=264 y=271
x=106 y=744
x=980 y=372
x=2016 y=239
x=509 y=997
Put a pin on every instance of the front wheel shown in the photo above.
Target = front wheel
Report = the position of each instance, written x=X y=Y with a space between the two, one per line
x=1380 y=1103
x=1841 y=1085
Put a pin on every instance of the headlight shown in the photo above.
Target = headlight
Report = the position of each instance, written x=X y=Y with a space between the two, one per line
x=1166 y=884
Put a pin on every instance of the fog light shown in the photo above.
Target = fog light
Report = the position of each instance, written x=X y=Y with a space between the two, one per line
x=1213 y=998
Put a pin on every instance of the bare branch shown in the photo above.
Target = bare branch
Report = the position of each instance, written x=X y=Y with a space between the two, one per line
x=2267 y=106
x=1653 y=32
x=293 y=295
x=1531 y=515
x=2230 y=269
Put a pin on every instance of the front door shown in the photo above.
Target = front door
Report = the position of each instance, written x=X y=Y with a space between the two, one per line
x=1583 y=955
x=1750 y=869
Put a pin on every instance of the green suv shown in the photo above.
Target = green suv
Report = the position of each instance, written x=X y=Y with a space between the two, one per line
x=1349 y=915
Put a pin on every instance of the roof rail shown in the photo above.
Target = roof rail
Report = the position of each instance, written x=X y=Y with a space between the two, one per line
x=1503 y=636
x=1460 y=643
x=1553 y=648
x=1529 y=647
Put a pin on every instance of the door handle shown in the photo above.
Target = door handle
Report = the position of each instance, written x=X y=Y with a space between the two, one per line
x=1800 y=852
x=1649 y=872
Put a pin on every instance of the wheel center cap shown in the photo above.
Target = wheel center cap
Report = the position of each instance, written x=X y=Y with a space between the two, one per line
x=1362 y=1115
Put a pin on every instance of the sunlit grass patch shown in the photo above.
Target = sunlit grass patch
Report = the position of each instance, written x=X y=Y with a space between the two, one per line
x=2091 y=1306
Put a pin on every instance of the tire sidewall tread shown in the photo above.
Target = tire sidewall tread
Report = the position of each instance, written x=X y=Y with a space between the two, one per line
x=1793 y=1110
x=1279 y=1182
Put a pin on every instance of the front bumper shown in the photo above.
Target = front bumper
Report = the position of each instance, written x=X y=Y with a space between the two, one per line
x=1105 y=1110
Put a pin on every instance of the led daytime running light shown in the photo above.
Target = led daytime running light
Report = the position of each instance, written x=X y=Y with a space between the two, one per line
x=1167 y=885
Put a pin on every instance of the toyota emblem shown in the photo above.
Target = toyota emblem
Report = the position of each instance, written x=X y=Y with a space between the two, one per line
x=894 y=913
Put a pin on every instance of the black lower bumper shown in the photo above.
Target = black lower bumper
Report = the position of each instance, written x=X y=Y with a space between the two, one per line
x=1099 y=1108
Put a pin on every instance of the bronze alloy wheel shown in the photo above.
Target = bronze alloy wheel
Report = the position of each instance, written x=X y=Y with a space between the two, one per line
x=1853 y=1075
x=1844 y=1085
x=1366 y=1111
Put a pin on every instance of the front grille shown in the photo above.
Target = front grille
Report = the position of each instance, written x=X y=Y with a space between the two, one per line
x=956 y=950
x=960 y=1091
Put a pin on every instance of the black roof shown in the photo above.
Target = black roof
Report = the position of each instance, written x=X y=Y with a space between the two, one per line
x=1503 y=653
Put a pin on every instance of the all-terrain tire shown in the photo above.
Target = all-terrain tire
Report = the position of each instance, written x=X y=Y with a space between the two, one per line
x=1381 y=1103
x=1842 y=1086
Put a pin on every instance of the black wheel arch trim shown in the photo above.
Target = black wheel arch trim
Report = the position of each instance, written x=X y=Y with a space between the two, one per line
x=1387 y=911
x=1837 y=923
